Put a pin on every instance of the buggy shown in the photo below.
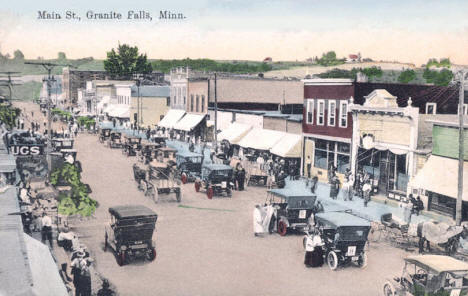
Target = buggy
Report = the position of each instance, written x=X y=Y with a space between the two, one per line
x=155 y=179
x=104 y=134
x=189 y=165
x=429 y=275
x=345 y=238
x=131 y=145
x=293 y=208
x=215 y=179
x=115 y=140
x=129 y=233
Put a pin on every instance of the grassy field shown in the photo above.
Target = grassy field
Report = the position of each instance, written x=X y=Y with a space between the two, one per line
x=24 y=92
x=25 y=69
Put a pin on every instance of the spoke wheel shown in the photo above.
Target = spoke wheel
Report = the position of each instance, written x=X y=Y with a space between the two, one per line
x=282 y=228
x=388 y=290
x=121 y=258
x=332 y=260
x=210 y=192
x=151 y=254
x=362 y=261
x=197 y=186
x=183 y=178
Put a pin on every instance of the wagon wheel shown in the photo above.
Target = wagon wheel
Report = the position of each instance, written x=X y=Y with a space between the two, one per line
x=332 y=260
x=151 y=254
x=282 y=228
x=388 y=290
x=210 y=192
x=197 y=186
x=183 y=178
x=106 y=244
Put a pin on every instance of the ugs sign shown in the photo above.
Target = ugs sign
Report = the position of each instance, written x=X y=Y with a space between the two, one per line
x=23 y=150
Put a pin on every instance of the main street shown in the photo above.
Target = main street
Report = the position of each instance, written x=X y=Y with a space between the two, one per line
x=208 y=247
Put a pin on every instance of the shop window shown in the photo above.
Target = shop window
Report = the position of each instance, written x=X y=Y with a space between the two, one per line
x=310 y=111
x=168 y=101
x=342 y=163
x=198 y=102
x=329 y=153
x=431 y=108
x=191 y=103
x=321 y=112
x=465 y=109
x=203 y=103
x=344 y=114
x=331 y=112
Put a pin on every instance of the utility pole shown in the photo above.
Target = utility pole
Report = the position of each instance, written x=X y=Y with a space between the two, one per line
x=461 y=161
x=49 y=79
x=216 y=112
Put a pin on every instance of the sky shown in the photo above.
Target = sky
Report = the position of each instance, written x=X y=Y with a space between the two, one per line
x=390 y=30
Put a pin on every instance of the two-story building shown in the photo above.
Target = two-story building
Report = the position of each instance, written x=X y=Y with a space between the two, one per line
x=149 y=104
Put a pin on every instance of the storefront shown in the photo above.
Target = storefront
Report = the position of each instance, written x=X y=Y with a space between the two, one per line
x=385 y=139
x=171 y=118
x=192 y=125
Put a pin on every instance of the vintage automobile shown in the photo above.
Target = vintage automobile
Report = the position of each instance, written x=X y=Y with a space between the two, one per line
x=62 y=143
x=189 y=165
x=166 y=155
x=429 y=275
x=215 y=179
x=162 y=180
x=344 y=236
x=293 y=208
x=129 y=233
x=147 y=152
x=104 y=134
x=131 y=145
x=115 y=140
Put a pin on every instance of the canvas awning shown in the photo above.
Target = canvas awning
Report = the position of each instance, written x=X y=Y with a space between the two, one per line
x=234 y=132
x=171 y=118
x=120 y=111
x=189 y=122
x=44 y=271
x=261 y=139
x=7 y=163
x=440 y=175
x=290 y=146
x=103 y=103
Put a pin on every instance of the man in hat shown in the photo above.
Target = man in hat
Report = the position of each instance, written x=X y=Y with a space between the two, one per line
x=47 y=229
x=105 y=290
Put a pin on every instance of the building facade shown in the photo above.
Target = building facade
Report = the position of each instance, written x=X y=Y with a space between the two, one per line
x=149 y=104
x=197 y=94
x=72 y=80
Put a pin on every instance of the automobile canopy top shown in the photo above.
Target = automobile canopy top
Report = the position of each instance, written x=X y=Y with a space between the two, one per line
x=340 y=219
x=132 y=211
x=217 y=167
x=185 y=153
x=296 y=191
x=438 y=263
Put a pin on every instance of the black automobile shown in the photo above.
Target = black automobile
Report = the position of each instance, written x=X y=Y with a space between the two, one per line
x=189 y=165
x=215 y=179
x=131 y=145
x=62 y=143
x=345 y=238
x=130 y=232
x=293 y=208
x=104 y=134
x=115 y=140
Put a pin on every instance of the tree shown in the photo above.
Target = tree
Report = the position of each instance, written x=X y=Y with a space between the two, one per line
x=406 y=76
x=126 y=61
x=441 y=78
x=62 y=56
x=18 y=55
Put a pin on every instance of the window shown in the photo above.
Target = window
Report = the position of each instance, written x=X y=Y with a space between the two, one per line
x=198 y=102
x=465 y=109
x=310 y=111
x=191 y=103
x=320 y=112
x=344 y=114
x=331 y=112
x=168 y=102
x=332 y=153
x=431 y=108
x=203 y=103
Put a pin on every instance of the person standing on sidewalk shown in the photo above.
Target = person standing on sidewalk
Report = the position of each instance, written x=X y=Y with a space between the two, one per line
x=47 y=229
x=308 y=166
x=334 y=186
x=366 y=189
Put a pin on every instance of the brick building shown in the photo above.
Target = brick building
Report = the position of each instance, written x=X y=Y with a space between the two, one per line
x=73 y=79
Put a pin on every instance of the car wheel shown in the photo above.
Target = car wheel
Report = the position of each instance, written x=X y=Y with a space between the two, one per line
x=184 y=178
x=121 y=258
x=210 y=192
x=332 y=260
x=282 y=228
x=197 y=186
x=388 y=290
x=151 y=254
x=362 y=260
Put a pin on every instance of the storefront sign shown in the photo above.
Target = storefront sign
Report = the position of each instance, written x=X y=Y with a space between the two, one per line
x=24 y=150
x=368 y=142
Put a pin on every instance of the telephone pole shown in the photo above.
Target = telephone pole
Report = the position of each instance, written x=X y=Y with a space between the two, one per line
x=50 y=78
x=216 y=113
x=461 y=158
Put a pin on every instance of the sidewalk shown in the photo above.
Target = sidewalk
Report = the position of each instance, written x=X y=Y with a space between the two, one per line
x=374 y=210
